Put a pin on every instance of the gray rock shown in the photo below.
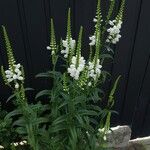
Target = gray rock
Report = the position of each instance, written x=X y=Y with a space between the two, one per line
x=140 y=143
x=119 y=137
x=135 y=146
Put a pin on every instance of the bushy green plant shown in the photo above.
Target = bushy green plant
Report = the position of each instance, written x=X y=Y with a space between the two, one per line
x=27 y=121
x=7 y=132
x=73 y=118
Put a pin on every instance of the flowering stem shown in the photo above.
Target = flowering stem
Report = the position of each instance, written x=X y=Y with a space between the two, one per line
x=111 y=8
x=78 y=52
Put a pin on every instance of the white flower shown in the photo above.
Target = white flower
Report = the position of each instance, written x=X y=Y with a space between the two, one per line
x=19 y=73
x=16 y=86
x=101 y=130
x=72 y=43
x=89 y=84
x=21 y=143
x=8 y=72
x=94 y=72
x=25 y=142
x=20 y=78
x=10 y=80
x=93 y=40
x=107 y=40
x=17 y=70
x=111 y=23
x=94 y=20
x=66 y=55
x=73 y=71
x=14 y=75
x=17 y=66
x=67 y=45
x=8 y=76
x=114 y=32
x=104 y=138
x=48 y=48
x=16 y=144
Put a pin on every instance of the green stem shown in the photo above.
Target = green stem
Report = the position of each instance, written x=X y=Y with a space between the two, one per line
x=31 y=137
x=29 y=127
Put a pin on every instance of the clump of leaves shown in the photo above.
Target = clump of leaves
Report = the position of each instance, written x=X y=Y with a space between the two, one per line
x=7 y=133
x=70 y=118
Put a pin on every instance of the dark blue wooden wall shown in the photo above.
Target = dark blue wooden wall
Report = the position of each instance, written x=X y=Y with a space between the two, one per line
x=28 y=23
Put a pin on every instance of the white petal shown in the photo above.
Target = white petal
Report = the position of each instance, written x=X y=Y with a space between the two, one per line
x=94 y=20
x=10 y=80
x=8 y=72
x=48 y=47
x=17 y=70
x=14 y=76
x=20 y=78
x=16 y=86
x=65 y=44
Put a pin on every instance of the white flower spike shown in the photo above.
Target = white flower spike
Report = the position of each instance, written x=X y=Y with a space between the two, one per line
x=66 y=45
x=73 y=71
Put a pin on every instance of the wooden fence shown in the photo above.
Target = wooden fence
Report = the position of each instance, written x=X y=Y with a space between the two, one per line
x=28 y=21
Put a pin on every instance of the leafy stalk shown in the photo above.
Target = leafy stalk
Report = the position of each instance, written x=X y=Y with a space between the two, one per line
x=78 y=51
x=111 y=95
x=69 y=35
x=53 y=45
x=110 y=12
x=111 y=102
x=98 y=34
x=10 y=56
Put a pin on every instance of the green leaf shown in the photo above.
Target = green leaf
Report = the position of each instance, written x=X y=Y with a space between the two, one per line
x=21 y=130
x=42 y=93
x=11 y=97
x=39 y=107
x=106 y=56
x=65 y=96
x=87 y=112
x=109 y=49
x=40 y=120
x=13 y=113
x=57 y=128
x=115 y=86
x=60 y=120
x=63 y=104
x=49 y=74
x=29 y=89
x=20 y=122
x=43 y=75
x=93 y=107
x=79 y=99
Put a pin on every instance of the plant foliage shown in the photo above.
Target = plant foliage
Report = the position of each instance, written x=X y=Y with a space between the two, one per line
x=72 y=118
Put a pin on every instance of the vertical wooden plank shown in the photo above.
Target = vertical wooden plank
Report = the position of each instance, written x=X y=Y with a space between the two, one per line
x=141 y=120
x=84 y=14
x=47 y=13
x=123 y=56
x=138 y=65
x=145 y=128
x=36 y=28
x=140 y=117
x=59 y=11
x=35 y=32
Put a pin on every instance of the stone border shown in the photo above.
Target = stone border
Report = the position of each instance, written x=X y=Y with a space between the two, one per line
x=142 y=142
x=119 y=139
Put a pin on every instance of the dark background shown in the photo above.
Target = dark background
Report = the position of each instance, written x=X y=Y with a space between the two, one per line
x=28 y=24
